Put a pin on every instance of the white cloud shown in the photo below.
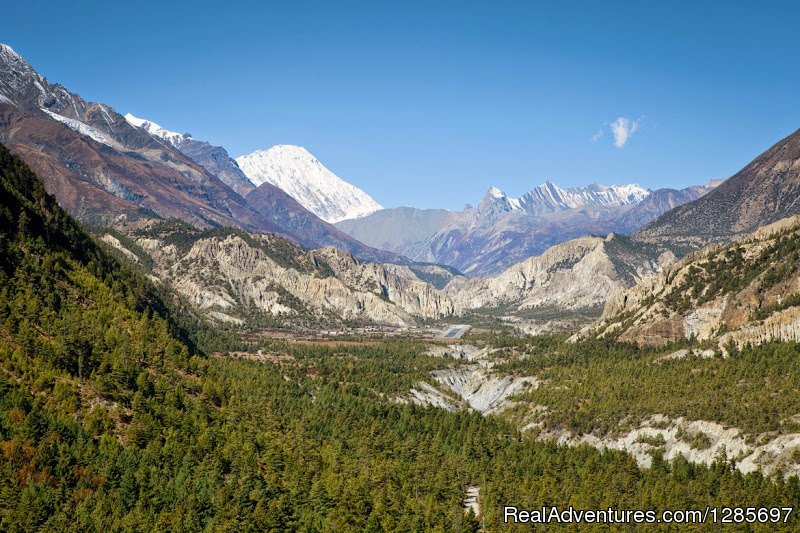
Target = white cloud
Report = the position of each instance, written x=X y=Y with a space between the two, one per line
x=596 y=136
x=623 y=128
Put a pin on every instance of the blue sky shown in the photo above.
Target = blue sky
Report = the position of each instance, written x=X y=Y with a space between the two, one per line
x=428 y=104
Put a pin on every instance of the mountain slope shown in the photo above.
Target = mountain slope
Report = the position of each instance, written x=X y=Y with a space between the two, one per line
x=214 y=159
x=296 y=171
x=765 y=191
x=395 y=228
x=256 y=280
x=98 y=165
x=745 y=292
x=659 y=202
x=72 y=315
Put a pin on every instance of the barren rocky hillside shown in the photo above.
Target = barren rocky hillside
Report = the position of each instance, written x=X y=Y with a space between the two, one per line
x=239 y=277
x=763 y=192
x=572 y=276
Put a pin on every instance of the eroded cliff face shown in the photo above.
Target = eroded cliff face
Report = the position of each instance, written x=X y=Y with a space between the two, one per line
x=234 y=276
x=577 y=274
x=397 y=284
x=746 y=292
x=473 y=378
x=470 y=383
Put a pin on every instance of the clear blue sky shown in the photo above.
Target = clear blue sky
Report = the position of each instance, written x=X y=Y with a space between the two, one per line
x=428 y=104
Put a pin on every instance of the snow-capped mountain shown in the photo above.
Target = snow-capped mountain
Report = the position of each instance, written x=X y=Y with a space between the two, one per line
x=301 y=175
x=550 y=198
x=100 y=166
x=503 y=230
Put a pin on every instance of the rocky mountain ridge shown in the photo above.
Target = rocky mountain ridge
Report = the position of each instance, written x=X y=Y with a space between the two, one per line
x=238 y=277
x=744 y=292
x=214 y=159
x=576 y=275
x=241 y=278
x=550 y=198
x=501 y=231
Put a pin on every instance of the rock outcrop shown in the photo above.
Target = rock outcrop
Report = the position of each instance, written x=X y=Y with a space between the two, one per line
x=470 y=384
x=699 y=441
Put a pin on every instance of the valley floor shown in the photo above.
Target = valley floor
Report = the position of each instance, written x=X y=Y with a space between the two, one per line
x=656 y=404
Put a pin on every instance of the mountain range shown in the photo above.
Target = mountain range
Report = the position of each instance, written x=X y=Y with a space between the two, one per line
x=552 y=248
x=101 y=166
x=502 y=231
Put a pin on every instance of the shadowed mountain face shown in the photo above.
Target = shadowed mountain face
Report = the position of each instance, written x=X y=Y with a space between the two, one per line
x=99 y=166
x=763 y=192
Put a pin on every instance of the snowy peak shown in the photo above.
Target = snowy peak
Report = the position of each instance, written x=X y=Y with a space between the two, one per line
x=154 y=129
x=614 y=195
x=9 y=57
x=24 y=88
x=494 y=192
x=302 y=176
x=496 y=201
x=550 y=198
x=7 y=51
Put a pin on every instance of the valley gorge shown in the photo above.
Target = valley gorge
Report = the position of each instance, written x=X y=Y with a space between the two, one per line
x=275 y=325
